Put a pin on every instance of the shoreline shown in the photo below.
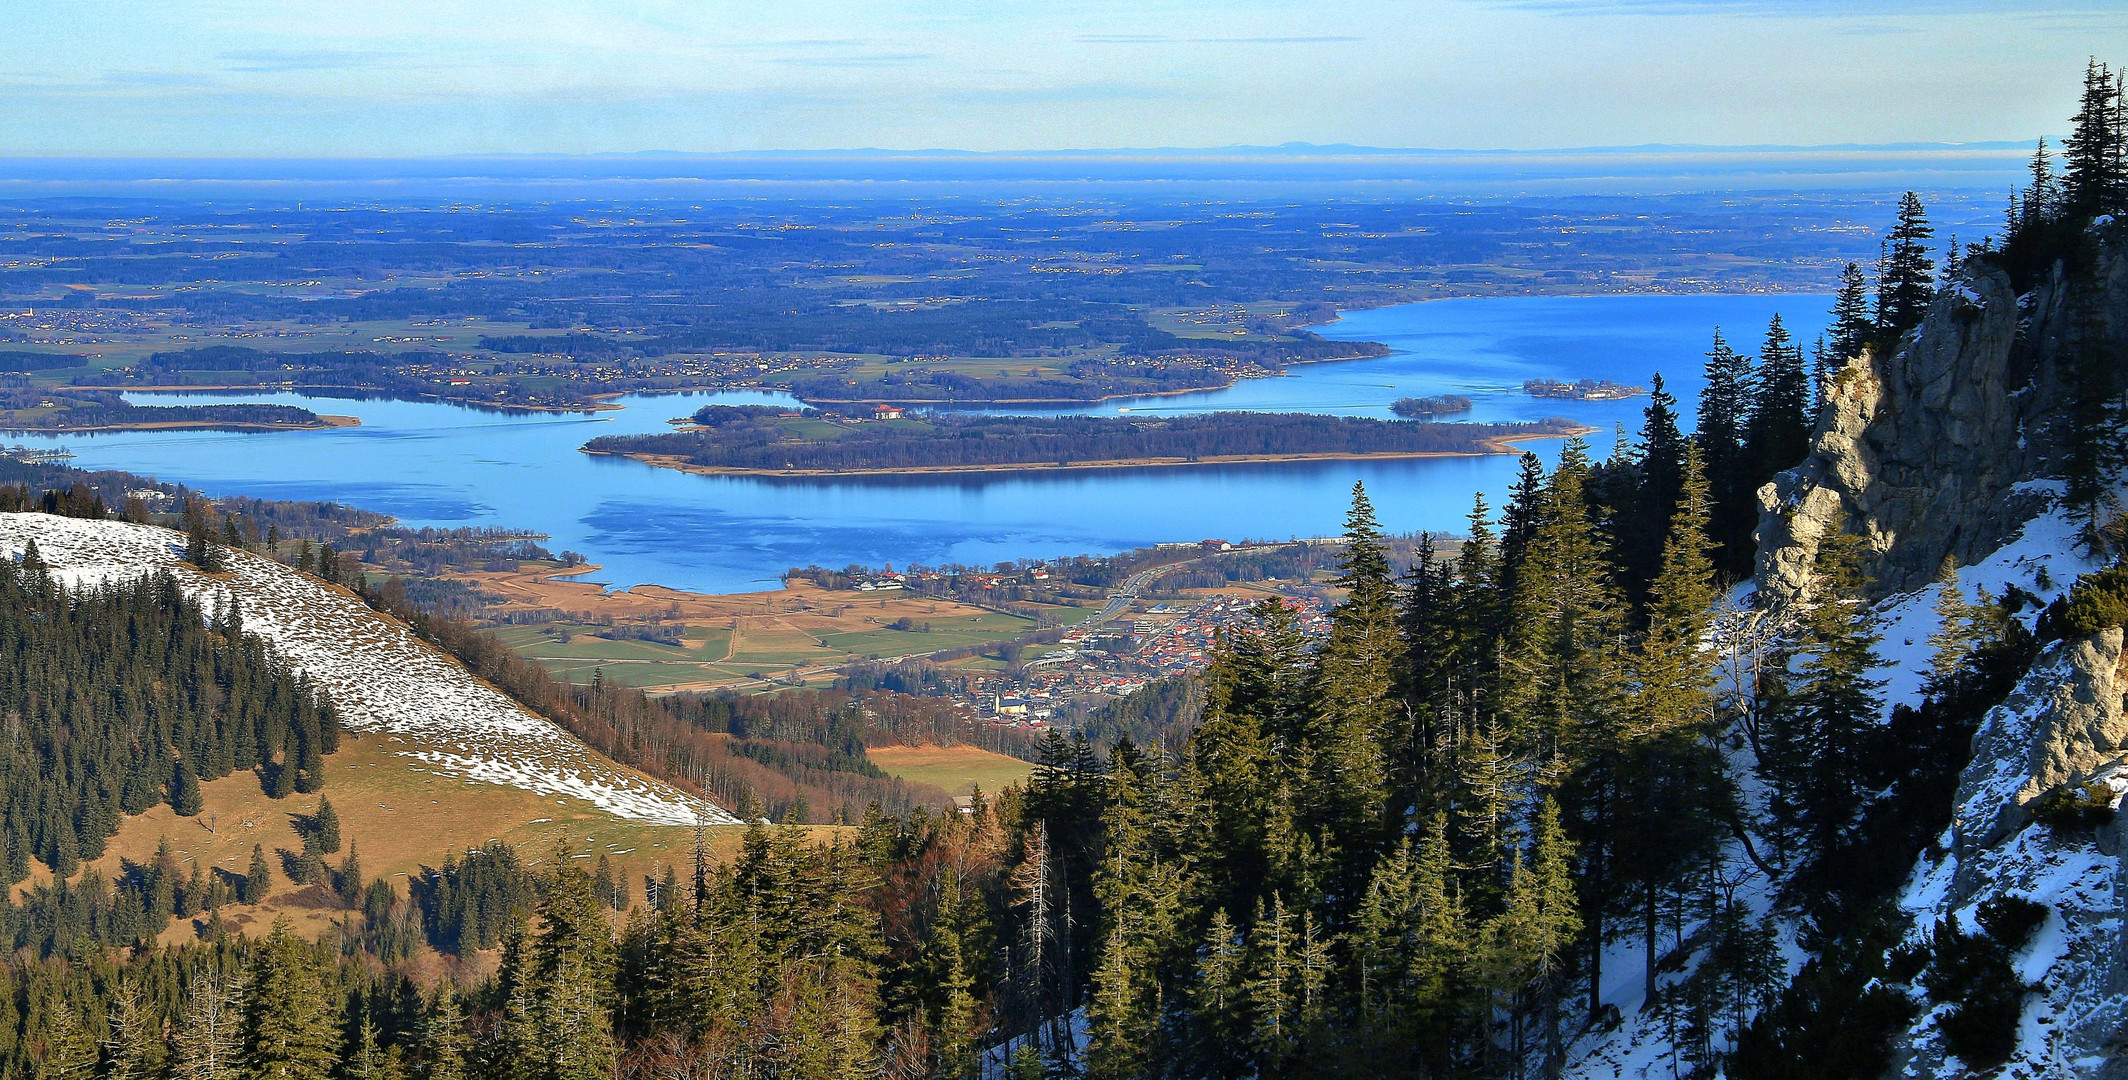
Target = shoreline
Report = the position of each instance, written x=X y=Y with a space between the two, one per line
x=599 y=402
x=1499 y=445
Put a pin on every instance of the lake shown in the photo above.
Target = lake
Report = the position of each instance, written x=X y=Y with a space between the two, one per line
x=443 y=465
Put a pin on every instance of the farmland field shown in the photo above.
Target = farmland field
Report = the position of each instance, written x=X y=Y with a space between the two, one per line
x=954 y=768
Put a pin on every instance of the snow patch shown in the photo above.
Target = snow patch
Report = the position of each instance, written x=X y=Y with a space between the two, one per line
x=381 y=677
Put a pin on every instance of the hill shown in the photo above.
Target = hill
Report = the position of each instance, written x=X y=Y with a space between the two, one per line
x=384 y=680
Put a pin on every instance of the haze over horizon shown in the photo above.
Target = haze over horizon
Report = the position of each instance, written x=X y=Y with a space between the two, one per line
x=456 y=77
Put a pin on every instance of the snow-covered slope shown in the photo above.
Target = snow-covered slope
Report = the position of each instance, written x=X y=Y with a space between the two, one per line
x=2078 y=958
x=381 y=676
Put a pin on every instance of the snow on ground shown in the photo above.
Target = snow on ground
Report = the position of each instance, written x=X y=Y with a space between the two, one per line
x=2077 y=882
x=379 y=674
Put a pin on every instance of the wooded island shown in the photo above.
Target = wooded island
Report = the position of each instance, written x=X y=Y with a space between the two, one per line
x=765 y=440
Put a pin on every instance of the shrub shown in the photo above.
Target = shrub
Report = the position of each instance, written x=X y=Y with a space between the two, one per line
x=1972 y=974
x=2099 y=601
x=2073 y=806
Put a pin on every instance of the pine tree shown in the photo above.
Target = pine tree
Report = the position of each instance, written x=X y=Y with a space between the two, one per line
x=1905 y=276
x=288 y=1032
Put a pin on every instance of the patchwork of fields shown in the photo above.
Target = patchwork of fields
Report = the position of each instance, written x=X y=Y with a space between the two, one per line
x=734 y=639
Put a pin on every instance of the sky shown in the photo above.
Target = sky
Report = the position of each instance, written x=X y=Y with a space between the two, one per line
x=400 y=78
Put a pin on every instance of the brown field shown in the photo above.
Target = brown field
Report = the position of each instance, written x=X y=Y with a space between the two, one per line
x=955 y=768
x=400 y=817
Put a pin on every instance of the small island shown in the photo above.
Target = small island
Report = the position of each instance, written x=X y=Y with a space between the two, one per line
x=1585 y=390
x=766 y=441
x=1419 y=408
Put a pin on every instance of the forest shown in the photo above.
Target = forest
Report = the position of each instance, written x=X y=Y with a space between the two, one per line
x=948 y=441
x=124 y=696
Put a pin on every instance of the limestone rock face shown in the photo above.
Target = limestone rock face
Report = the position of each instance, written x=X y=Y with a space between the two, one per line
x=2084 y=729
x=1931 y=450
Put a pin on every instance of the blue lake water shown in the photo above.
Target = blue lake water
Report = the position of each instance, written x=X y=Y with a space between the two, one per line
x=431 y=464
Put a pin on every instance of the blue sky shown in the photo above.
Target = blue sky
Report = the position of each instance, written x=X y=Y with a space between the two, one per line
x=424 y=77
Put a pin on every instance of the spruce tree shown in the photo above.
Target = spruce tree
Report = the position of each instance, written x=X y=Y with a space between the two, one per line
x=1777 y=426
x=325 y=825
x=1518 y=521
x=1219 y=1002
x=1724 y=404
x=445 y=1045
x=185 y=795
x=258 y=880
x=2094 y=180
x=1646 y=517
x=1820 y=725
x=571 y=977
x=288 y=1031
x=1674 y=792
x=208 y=1039
x=1411 y=946
x=1852 y=326
x=69 y=1045
x=1905 y=275
x=135 y=1047
x=1346 y=746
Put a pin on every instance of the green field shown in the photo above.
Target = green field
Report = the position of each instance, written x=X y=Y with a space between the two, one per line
x=954 y=768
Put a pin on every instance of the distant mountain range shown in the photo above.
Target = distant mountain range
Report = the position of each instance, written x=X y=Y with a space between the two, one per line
x=1231 y=170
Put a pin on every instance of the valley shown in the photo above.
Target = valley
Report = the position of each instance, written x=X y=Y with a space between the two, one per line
x=968 y=616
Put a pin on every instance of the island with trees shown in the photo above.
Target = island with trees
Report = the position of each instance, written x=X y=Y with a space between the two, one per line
x=762 y=440
x=1583 y=390
x=1420 y=408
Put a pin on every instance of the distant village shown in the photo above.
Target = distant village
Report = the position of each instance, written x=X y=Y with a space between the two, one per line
x=1094 y=659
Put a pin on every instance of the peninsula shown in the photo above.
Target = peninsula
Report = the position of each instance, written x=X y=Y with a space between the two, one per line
x=52 y=410
x=760 y=440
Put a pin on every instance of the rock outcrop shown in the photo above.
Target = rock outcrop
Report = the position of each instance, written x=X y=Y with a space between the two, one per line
x=1942 y=447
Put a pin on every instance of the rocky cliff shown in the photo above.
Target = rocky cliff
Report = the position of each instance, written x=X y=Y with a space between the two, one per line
x=1952 y=447
x=1941 y=447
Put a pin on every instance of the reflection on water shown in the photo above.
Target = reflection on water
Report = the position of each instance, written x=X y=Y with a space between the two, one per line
x=432 y=464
